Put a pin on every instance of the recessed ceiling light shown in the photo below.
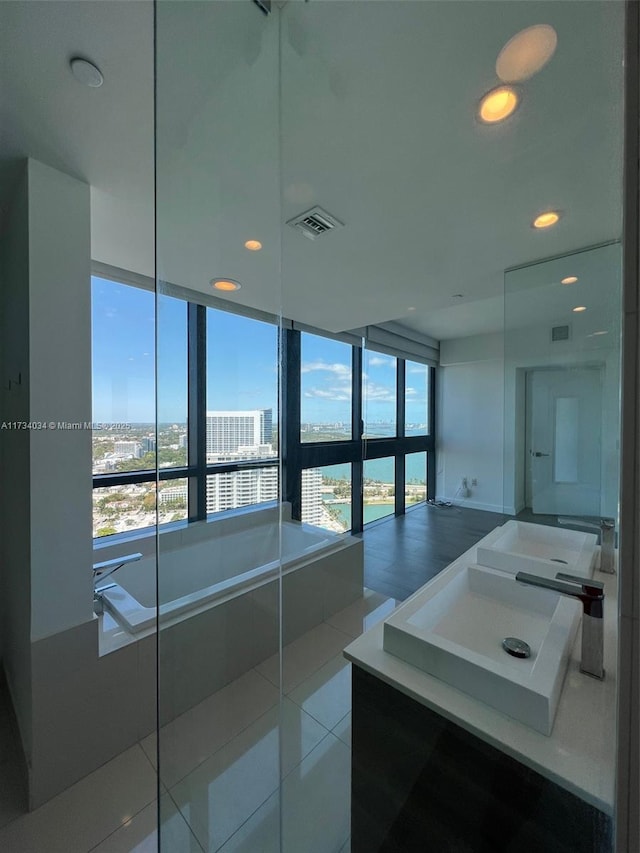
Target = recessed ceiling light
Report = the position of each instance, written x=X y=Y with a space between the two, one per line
x=579 y=308
x=595 y=334
x=227 y=284
x=457 y=295
x=570 y=279
x=546 y=220
x=498 y=104
x=526 y=53
x=253 y=245
x=86 y=72
x=411 y=308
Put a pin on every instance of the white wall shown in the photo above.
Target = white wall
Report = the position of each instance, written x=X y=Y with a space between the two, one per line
x=60 y=391
x=470 y=422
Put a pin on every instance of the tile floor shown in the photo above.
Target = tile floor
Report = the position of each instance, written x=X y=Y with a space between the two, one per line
x=230 y=781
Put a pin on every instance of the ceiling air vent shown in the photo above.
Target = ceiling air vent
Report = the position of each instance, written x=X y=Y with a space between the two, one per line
x=560 y=333
x=315 y=222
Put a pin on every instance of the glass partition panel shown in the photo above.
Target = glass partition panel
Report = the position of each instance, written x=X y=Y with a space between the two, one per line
x=562 y=387
x=219 y=560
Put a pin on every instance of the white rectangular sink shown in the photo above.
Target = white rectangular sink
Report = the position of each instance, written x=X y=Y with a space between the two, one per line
x=453 y=629
x=518 y=546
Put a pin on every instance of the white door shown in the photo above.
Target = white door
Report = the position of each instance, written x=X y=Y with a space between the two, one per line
x=564 y=417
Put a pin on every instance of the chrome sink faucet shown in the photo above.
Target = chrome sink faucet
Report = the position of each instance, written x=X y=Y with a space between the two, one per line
x=591 y=594
x=607 y=528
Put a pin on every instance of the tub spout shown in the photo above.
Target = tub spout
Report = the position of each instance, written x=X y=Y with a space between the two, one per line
x=108 y=567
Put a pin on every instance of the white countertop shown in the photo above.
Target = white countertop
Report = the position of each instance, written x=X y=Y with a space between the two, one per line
x=579 y=754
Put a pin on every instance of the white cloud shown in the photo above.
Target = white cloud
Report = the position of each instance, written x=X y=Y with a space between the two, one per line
x=380 y=393
x=339 y=394
x=337 y=369
x=380 y=361
x=418 y=368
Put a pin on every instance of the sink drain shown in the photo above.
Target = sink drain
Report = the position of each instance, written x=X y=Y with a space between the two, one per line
x=517 y=648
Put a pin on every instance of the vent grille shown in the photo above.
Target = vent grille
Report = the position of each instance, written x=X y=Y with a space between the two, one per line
x=560 y=333
x=315 y=222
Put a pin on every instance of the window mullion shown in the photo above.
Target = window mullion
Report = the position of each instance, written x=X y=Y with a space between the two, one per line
x=197 y=405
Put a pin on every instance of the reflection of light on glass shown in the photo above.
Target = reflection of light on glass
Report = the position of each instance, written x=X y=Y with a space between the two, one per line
x=526 y=53
x=546 y=220
x=570 y=279
x=498 y=105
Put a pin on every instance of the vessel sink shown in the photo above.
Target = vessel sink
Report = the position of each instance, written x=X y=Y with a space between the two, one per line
x=453 y=629
x=520 y=546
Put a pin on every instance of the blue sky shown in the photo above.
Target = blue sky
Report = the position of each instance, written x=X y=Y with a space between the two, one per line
x=241 y=365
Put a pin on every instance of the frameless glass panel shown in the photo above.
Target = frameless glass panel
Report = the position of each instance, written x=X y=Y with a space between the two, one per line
x=123 y=377
x=415 y=478
x=565 y=446
x=172 y=382
x=416 y=399
x=242 y=388
x=325 y=389
x=379 y=488
x=123 y=509
x=234 y=489
x=379 y=395
x=218 y=219
x=326 y=497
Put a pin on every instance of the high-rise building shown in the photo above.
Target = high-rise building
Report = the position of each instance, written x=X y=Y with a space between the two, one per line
x=148 y=444
x=227 y=431
x=127 y=449
x=312 y=506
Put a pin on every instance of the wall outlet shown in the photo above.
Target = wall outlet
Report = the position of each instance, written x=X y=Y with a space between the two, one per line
x=474 y=482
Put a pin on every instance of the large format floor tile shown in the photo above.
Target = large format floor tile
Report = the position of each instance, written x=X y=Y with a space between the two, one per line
x=315 y=803
x=195 y=735
x=224 y=791
x=140 y=834
x=326 y=694
x=87 y=812
x=363 y=613
x=304 y=656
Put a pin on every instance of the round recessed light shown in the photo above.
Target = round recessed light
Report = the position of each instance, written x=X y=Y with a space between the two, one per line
x=570 y=279
x=579 y=308
x=226 y=284
x=601 y=332
x=411 y=308
x=86 y=72
x=457 y=295
x=547 y=219
x=498 y=104
x=253 y=245
x=526 y=53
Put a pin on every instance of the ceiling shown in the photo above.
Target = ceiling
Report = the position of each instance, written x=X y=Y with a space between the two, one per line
x=367 y=109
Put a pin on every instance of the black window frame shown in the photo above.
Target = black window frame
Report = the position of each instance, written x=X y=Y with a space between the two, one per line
x=295 y=454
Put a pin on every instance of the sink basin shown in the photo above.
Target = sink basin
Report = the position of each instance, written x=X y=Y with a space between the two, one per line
x=520 y=546
x=453 y=629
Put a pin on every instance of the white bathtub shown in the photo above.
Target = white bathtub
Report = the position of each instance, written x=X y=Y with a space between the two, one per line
x=195 y=576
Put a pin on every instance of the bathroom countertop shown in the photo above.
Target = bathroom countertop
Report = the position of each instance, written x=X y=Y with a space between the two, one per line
x=579 y=754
